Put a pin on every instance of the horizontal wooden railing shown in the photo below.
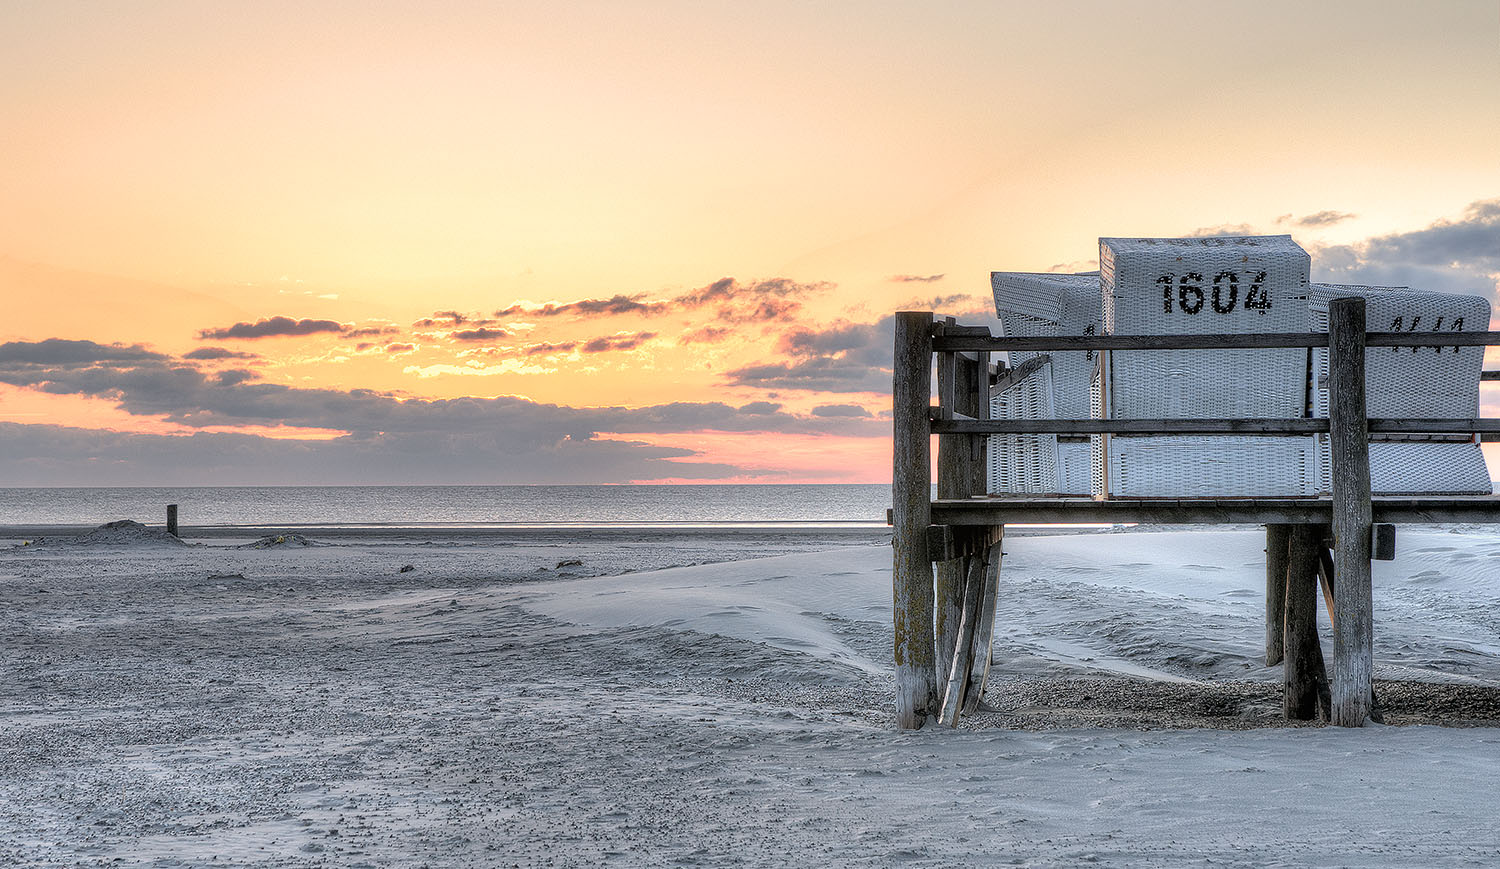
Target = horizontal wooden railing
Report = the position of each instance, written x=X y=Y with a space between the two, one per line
x=1255 y=426
x=948 y=343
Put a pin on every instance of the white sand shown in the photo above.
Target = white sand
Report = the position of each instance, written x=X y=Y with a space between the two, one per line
x=315 y=705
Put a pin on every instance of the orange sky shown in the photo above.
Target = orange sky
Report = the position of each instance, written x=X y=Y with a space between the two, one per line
x=410 y=185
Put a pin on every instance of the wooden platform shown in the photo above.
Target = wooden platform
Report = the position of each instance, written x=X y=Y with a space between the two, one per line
x=1007 y=510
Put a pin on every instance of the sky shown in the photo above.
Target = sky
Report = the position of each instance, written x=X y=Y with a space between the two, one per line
x=575 y=242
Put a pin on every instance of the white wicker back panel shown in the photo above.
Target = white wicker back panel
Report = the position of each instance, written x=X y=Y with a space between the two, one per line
x=1418 y=382
x=1416 y=468
x=1200 y=286
x=1209 y=467
x=1024 y=464
x=1074 y=470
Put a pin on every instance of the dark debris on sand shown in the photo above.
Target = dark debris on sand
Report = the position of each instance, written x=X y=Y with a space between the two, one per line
x=1136 y=704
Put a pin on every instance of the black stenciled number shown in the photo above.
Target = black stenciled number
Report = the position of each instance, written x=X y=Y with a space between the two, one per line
x=1166 y=282
x=1190 y=283
x=1221 y=305
x=1257 y=299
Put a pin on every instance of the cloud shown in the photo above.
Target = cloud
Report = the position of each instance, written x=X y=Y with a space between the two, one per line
x=480 y=334
x=1320 y=218
x=273 y=327
x=840 y=410
x=843 y=357
x=621 y=341
x=911 y=279
x=733 y=302
x=213 y=353
x=399 y=348
x=50 y=455
x=232 y=376
x=618 y=304
x=1461 y=255
x=62 y=352
x=547 y=348
x=706 y=335
x=1223 y=229
x=156 y=386
x=821 y=374
x=371 y=331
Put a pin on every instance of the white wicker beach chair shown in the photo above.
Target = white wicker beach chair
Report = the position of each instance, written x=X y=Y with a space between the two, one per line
x=1175 y=286
x=1044 y=304
x=1420 y=383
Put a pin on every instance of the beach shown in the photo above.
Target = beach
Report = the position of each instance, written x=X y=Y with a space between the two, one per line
x=410 y=697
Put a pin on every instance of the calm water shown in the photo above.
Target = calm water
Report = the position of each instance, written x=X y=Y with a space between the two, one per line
x=451 y=505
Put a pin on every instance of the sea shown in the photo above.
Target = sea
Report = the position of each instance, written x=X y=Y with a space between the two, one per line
x=692 y=506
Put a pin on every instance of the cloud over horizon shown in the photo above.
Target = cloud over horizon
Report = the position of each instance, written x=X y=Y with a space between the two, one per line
x=273 y=327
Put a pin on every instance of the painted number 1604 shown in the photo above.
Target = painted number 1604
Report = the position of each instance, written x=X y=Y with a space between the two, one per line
x=1190 y=291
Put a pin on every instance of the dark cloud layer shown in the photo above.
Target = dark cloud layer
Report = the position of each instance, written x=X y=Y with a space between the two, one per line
x=273 y=327
x=151 y=384
x=731 y=301
x=915 y=279
x=389 y=438
x=1321 y=218
x=612 y=306
x=214 y=353
x=1461 y=255
x=59 y=455
x=480 y=334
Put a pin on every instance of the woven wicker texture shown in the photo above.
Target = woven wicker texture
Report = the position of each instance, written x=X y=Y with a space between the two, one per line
x=1422 y=382
x=1033 y=304
x=1024 y=464
x=1419 y=382
x=1197 y=467
x=1206 y=467
x=1182 y=286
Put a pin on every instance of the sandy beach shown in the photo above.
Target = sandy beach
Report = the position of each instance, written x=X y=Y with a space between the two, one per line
x=415 y=697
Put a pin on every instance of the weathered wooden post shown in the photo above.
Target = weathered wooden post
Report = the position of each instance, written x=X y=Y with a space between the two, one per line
x=172 y=519
x=962 y=389
x=911 y=513
x=1353 y=652
x=1276 y=564
x=1303 y=677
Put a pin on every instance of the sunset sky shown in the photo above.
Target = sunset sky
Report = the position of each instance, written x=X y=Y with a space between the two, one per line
x=574 y=242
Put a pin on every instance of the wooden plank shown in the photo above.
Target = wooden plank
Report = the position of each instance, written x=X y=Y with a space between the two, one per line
x=1278 y=538
x=1256 y=511
x=911 y=574
x=1018 y=374
x=984 y=632
x=1303 y=676
x=1353 y=652
x=1248 y=426
x=1133 y=342
x=1253 y=341
x=958 y=676
x=1132 y=426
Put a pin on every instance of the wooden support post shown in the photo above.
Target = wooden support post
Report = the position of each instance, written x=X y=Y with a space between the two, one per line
x=1276 y=551
x=911 y=512
x=1348 y=436
x=958 y=676
x=960 y=473
x=1303 y=676
x=984 y=632
x=172 y=519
